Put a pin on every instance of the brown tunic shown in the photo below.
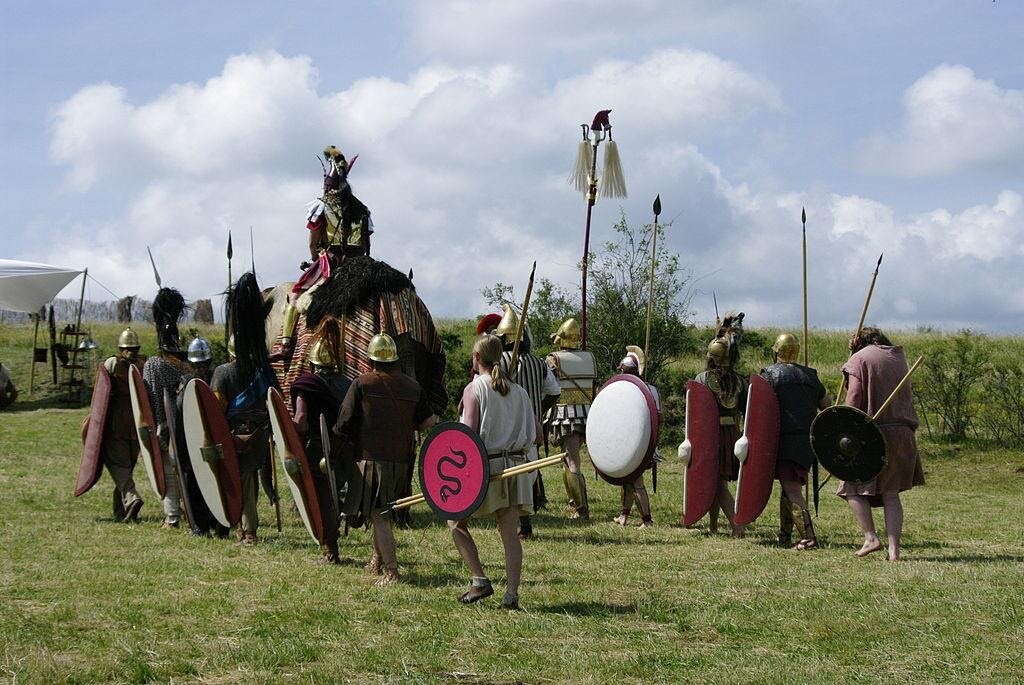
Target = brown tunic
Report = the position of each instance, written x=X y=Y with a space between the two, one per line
x=380 y=414
x=872 y=374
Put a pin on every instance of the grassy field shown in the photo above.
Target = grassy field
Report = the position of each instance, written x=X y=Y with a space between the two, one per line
x=85 y=599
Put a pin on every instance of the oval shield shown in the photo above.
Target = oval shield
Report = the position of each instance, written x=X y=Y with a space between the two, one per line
x=848 y=443
x=622 y=429
x=145 y=425
x=757 y=451
x=454 y=470
x=91 y=466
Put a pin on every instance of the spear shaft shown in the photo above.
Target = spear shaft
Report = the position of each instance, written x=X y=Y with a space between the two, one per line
x=654 y=261
x=514 y=362
x=231 y=253
x=860 y=322
x=807 y=342
x=591 y=200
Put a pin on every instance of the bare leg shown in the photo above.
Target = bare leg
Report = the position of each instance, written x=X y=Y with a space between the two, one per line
x=467 y=547
x=508 y=520
x=893 y=508
x=627 y=505
x=728 y=506
x=862 y=512
x=384 y=544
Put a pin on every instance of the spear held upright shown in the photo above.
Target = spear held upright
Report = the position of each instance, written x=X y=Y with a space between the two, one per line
x=654 y=261
x=803 y=220
x=231 y=253
x=514 y=362
x=860 y=322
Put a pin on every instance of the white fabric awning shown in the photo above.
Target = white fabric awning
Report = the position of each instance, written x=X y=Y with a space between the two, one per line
x=27 y=286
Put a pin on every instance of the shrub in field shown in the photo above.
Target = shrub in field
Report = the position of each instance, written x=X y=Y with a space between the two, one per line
x=1001 y=405
x=954 y=370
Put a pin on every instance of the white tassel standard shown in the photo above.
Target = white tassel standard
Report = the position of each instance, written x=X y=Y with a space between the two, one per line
x=580 y=176
x=613 y=184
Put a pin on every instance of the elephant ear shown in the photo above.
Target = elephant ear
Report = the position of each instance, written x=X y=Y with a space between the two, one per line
x=426 y=368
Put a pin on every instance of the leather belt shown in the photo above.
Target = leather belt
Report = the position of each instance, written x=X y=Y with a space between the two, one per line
x=726 y=421
x=507 y=453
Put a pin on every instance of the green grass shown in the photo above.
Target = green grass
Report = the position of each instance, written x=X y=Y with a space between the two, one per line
x=84 y=599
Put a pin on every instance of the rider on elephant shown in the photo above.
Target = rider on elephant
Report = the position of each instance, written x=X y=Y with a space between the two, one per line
x=339 y=226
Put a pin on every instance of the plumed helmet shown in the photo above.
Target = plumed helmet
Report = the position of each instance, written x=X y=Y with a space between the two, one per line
x=199 y=350
x=724 y=350
x=509 y=323
x=567 y=337
x=128 y=338
x=634 y=359
x=320 y=354
x=382 y=348
x=487 y=323
x=786 y=347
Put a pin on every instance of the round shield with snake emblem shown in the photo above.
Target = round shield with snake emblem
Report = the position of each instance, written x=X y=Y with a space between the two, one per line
x=454 y=470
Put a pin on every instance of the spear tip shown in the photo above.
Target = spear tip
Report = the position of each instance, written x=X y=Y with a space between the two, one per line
x=657 y=205
x=879 y=260
x=803 y=215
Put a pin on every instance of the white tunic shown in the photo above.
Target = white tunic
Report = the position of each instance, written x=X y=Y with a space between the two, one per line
x=506 y=425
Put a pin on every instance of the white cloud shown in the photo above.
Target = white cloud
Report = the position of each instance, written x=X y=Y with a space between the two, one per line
x=463 y=168
x=952 y=120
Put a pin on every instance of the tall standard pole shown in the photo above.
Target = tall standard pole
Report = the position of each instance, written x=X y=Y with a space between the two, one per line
x=591 y=200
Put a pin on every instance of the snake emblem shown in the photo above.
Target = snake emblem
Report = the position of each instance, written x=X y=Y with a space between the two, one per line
x=446 y=490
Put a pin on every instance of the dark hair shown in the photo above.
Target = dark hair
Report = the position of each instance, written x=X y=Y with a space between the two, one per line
x=386 y=367
x=869 y=335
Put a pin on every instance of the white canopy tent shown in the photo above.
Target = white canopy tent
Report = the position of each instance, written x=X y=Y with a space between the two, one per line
x=27 y=286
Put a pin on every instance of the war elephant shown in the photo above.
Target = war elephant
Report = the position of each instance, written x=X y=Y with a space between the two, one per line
x=368 y=297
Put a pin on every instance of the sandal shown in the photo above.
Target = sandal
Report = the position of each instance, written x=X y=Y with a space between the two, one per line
x=807 y=543
x=476 y=593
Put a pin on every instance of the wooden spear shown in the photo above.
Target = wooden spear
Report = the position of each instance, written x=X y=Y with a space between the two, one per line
x=654 y=261
x=860 y=323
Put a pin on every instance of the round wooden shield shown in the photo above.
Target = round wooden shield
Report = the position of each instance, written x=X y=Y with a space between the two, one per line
x=848 y=443
x=454 y=470
x=622 y=429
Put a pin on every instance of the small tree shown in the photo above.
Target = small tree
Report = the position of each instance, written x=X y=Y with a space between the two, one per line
x=953 y=371
x=617 y=301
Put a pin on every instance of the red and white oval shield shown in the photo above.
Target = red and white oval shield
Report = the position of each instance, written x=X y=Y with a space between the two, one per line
x=454 y=470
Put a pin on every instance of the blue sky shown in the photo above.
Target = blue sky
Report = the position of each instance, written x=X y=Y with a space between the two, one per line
x=899 y=125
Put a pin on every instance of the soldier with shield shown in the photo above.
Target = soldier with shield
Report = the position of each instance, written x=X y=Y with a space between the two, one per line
x=502 y=413
x=534 y=376
x=200 y=357
x=730 y=390
x=241 y=386
x=120 y=443
x=318 y=394
x=163 y=372
x=566 y=422
x=633 y=365
x=873 y=373
x=800 y=395
x=379 y=417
